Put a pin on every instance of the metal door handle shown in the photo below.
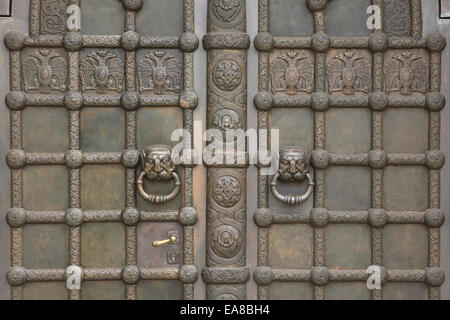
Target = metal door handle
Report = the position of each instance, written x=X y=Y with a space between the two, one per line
x=171 y=239
x=294 y=166
x=157 y=165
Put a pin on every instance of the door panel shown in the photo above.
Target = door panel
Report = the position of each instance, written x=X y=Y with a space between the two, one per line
x=360 y=118
x=375 y=154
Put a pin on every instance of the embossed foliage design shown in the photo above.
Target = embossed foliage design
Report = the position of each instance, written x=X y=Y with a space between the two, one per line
x=54 y=16
x=159 y=72
x=44 y=70
x=292 y=72
x=102 y=71
x=349 y=72
x=406 y=72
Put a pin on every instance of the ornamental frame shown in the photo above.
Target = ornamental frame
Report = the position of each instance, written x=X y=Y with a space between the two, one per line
x=71 y=43
x=377 y=217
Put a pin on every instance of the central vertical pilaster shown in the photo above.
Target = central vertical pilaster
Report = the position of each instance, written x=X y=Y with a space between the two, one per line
x=226 y=273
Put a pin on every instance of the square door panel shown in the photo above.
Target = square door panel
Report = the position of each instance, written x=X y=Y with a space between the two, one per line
x=347 y=18
x=405 y=291
x=291 y=246
x=296 y=127
x=406 y=188
x=290 y=291
x=405 y=130
x=102 y=130
x=55 y=290
x=160 y=290
x=103 y=290
x=55 y=193
x=347 y=291
x=160 y=18
x=290 y=18
x=348 y=246
x=405 y=246
x=45 y=129
x=102 y=187
x=103 y=245
x=348 y=188
x=46 y=246
x=348 y=130
x=102 y=17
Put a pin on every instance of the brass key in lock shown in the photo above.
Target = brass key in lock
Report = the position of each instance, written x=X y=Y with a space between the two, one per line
x=171 y=239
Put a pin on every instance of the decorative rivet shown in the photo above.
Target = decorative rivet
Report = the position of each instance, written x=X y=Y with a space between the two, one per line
x=320 y=159
x=319 y=217
x=320 y=42
x=378 y=42
x=16 y=159
x=130 y=216
x=434 y=276
x=263 y=42
x=377 y=159
x=14 y=40
x=188 y=273
x=130 y=40
x=434 y=218
x=436 y=42
x=263 y=217
x=74 y=159
x=188 y=216
x=131 y=274
x=188 y=100
x=263 y=276
x=133 y=5
x=434 y=159
x=317 y=5
x=15 y=100
x=319 y=101
x=130 y=100
x=73 y=41
x=263 y=100
x=378 y=101
x=435 y=101
x=377 y=217
x=130 y=158
x=74 y=217
x=188 y=42
x=319 y=275
x=16 y=217
x=73 y=100
x=16 y=276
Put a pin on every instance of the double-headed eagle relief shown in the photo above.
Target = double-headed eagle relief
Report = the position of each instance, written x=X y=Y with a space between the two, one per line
x=292 y=72
x=348 y=72
x=102 y=71
x=159 y=72
x=44 y=70
x=406 y=72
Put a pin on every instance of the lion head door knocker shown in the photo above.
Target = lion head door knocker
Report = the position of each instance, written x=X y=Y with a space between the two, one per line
x=157 y=165
x=294 y=166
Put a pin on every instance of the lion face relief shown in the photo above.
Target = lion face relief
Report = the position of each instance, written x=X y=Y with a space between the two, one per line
x=294 y=164
x=157 y=163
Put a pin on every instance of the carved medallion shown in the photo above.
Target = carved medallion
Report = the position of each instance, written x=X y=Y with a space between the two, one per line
x=159 y=72
x=227 y=191
x=292 y=72
x=102 y=71
x=226 y=241
x=406 y=72
x=54 y=16
x=227 y=119
x=397 y=18
x=44 y=70
x=226 y=10
x=227 y=75
x=349 y=72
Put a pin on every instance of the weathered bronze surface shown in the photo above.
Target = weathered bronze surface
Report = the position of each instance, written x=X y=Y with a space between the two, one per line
x=376 y=157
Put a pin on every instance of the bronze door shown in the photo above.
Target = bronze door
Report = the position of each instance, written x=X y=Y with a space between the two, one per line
x=97 y=206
